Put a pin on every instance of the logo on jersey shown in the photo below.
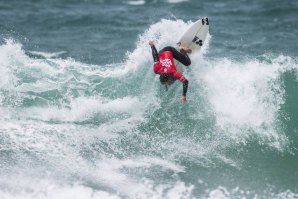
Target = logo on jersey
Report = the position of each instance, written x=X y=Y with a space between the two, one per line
x=166 y=62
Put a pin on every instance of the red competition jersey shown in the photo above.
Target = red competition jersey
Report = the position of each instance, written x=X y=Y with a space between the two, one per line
x=166 y=65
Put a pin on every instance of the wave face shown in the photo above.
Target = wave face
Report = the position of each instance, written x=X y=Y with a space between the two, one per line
x=84 y=116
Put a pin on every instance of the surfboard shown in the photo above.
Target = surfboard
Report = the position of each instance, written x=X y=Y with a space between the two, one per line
x=194 y=38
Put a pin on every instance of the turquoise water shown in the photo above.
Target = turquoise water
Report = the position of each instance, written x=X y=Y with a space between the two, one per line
x=84 y=116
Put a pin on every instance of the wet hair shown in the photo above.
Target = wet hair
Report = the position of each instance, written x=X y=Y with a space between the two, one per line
x=163 y=78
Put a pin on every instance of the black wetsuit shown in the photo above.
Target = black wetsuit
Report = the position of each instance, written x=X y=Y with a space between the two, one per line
x=181 y=57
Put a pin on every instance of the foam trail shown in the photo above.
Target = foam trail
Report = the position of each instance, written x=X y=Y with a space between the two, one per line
x=222 y=192
x=136 y=3
x=45 y=189
x=48 y=55
x=81 y=108
x=176 y=1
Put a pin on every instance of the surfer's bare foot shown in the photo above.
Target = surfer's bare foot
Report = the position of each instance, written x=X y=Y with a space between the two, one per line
x=185 y=50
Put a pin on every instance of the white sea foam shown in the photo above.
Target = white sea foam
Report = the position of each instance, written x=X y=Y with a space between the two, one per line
x=136 y=2
x=246 y=96
x=10 y=54
x=219 y=193
x=106 y=173
x=140 y=162
x=48 y=55
x=110 y=171
x=176 y=1
x=82 y=108
x=47 y=190
x=222 y=192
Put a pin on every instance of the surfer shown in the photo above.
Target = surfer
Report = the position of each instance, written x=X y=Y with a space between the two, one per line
x=165 y=67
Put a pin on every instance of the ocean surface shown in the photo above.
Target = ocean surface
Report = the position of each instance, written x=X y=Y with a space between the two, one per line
x=83 y=116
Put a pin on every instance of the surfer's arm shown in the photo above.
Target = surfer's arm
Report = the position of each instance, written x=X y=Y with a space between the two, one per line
x=185 y=87
x=183 y=80
x=154 y=51
x=154 y=54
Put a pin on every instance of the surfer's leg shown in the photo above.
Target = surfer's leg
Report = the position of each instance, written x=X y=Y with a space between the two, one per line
x=181 y=57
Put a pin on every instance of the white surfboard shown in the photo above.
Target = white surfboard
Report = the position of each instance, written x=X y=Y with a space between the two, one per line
x=194 y=38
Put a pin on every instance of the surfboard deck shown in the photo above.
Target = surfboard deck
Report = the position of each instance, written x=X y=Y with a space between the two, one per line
x=194 y=38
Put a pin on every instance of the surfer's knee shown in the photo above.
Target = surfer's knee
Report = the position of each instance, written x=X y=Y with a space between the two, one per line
x=187 y=62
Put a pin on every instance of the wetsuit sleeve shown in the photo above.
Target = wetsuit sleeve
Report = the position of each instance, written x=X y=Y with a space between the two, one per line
x=185 y=87
x=182 y=79
x=179 y=76
x=154 y=53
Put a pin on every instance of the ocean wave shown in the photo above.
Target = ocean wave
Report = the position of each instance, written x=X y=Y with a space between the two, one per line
x=116 y=132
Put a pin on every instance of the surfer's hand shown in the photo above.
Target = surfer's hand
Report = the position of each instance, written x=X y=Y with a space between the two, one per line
x=183 y=99
x=151 y=42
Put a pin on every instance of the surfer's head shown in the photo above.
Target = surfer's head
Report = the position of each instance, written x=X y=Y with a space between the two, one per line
x=166 y=79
